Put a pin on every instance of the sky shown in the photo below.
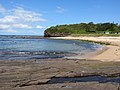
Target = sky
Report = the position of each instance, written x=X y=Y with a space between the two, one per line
x=32 y=17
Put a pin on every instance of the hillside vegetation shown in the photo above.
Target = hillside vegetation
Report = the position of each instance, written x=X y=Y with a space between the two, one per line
x=83 y=28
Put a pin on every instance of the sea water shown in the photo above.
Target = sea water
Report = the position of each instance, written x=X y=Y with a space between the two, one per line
x=12 y=48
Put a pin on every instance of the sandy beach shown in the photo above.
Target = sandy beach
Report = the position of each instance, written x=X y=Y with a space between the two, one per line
x=112 y=51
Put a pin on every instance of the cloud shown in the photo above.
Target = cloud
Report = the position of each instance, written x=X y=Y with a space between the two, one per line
x=10 y=31
x=4 y=26
x=2 y=9
x=21 y=26
x=27 y=16
x=19 y=18
x=60 y=9
x=34 y=32
x=21 y=15
x=39 y=27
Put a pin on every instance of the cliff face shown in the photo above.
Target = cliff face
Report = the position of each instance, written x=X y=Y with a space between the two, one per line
x=48 y=33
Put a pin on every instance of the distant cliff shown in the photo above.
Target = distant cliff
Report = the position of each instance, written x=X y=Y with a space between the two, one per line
x=82 y=28
x=54 y=33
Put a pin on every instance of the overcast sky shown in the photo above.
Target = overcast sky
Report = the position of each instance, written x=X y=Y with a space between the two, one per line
x=32 y=17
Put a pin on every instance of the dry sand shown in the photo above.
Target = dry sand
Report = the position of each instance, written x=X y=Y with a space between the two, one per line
x=112 y=53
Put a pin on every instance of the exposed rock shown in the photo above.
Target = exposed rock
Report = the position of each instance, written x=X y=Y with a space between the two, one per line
x=35 y=82
x=35 y=75
x=50 y=34
x=73 y=86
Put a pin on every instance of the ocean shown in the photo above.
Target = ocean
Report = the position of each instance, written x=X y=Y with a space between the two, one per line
x=35 y=47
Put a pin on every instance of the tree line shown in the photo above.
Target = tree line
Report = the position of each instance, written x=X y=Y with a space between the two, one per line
x=83 y=28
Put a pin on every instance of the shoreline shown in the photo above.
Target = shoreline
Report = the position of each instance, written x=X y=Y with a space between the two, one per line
x=75 y=74
x=111 y=52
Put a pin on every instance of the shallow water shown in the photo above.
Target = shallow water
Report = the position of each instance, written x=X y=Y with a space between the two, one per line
x=42 y=48
x=100 y=79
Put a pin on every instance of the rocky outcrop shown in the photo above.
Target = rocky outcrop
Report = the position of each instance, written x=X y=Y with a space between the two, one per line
x=47 y=33
x=47 y=75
